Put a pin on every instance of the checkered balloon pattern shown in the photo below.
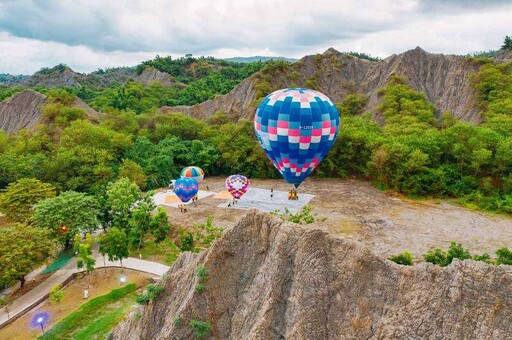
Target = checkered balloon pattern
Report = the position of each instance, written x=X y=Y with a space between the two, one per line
x=194 y=172
x=185 y=188
x=237 y=185
x=296 y=128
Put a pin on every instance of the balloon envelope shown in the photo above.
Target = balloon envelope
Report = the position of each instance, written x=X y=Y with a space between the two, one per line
x=185 y=188
x=194 y=172
x=296 y=128
x=237 y=185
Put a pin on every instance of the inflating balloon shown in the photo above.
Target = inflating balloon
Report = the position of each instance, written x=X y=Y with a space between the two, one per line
x=194 y=172
x=296 y=128
x=185 y=188
x=237 y=185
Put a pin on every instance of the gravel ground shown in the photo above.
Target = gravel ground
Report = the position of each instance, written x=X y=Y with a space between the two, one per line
x=385 y=222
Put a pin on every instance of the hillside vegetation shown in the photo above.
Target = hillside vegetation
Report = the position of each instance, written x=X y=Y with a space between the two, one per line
x=415 y=151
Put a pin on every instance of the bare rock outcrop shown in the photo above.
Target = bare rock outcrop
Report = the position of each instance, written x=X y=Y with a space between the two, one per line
x=25 y=110
x=151 y=75
x=272 y=280
x=21 y=111
x=443 y=78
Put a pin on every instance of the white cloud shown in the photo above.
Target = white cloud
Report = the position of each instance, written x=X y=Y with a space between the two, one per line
x=87 y=34
x=25 y=56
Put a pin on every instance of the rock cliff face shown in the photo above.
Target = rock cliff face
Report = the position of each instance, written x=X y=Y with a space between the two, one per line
x=443 y=78
x=24 y=110
x=272 y=280
x=151 y=75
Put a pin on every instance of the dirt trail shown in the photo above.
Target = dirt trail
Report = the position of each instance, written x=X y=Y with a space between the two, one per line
x=386 y=223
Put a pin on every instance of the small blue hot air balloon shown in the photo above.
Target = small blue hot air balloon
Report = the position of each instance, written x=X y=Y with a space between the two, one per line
x=186 y=188
x=296 y=128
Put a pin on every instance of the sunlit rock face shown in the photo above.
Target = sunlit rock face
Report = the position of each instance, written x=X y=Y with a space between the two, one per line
x=273 y=280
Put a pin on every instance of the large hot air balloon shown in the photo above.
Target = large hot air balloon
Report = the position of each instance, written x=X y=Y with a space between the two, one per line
x=237 y=185
x=185 y=188
x=296 y=128
x=194 y=172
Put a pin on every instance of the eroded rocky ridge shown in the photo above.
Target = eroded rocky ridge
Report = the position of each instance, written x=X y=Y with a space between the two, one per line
x=25 y=110
x=272 y=280
x=443 y=78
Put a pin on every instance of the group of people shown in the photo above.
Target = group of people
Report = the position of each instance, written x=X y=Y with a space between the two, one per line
x=232 y=202
x=293 y=195
x=183 y=207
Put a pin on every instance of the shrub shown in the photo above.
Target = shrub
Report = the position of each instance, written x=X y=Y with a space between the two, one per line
x=151 y=293
x=404 y=258
x=484 y=258
x=302 y=217
x=199 y=288
x=443 y=258
x=56 y=294
x=504 y=256
x=187 y=241
x=176 y=321
x=201 y=328
x=436 y=256
x=456 y=251
x=202 y=276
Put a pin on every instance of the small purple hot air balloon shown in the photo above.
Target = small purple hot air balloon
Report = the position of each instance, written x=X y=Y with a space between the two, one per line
x=237 y=185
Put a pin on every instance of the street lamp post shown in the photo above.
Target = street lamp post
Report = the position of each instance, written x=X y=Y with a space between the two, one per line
x=40 y=321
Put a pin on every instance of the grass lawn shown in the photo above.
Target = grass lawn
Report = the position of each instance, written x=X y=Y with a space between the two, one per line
x=95 y=318
x=165 y=252
x=99 y=283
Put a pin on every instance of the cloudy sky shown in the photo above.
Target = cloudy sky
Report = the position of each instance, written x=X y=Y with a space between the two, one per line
x=92 y=34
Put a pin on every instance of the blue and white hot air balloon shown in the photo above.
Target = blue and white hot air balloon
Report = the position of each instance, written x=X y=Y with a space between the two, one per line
x=296 y=128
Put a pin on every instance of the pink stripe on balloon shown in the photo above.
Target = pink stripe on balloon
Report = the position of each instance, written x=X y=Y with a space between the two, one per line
x=326 y=124
x=282 y=124
x=305 y=139
x=316 y=132
x=294 y=132
x=272 y=130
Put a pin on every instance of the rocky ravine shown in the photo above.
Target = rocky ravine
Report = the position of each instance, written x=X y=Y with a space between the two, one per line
x=443 y=78
x=272 y=280
x=24 y=110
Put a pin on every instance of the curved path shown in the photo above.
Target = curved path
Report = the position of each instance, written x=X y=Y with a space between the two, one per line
x=39 y=293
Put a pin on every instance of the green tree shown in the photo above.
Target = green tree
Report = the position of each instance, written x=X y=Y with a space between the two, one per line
x=114 y=244
x=507 y=43
x=504 y=256
x=18 y=200
x=121 y=197
x=134 y=172
x=140 y=220
x=160 y=225
x=22 y=249
x=56 y=294
x=67 y=215
x=83 y=250
x=404 y=258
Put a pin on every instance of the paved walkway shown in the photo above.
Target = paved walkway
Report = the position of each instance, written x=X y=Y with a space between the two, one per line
x=25 y=302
